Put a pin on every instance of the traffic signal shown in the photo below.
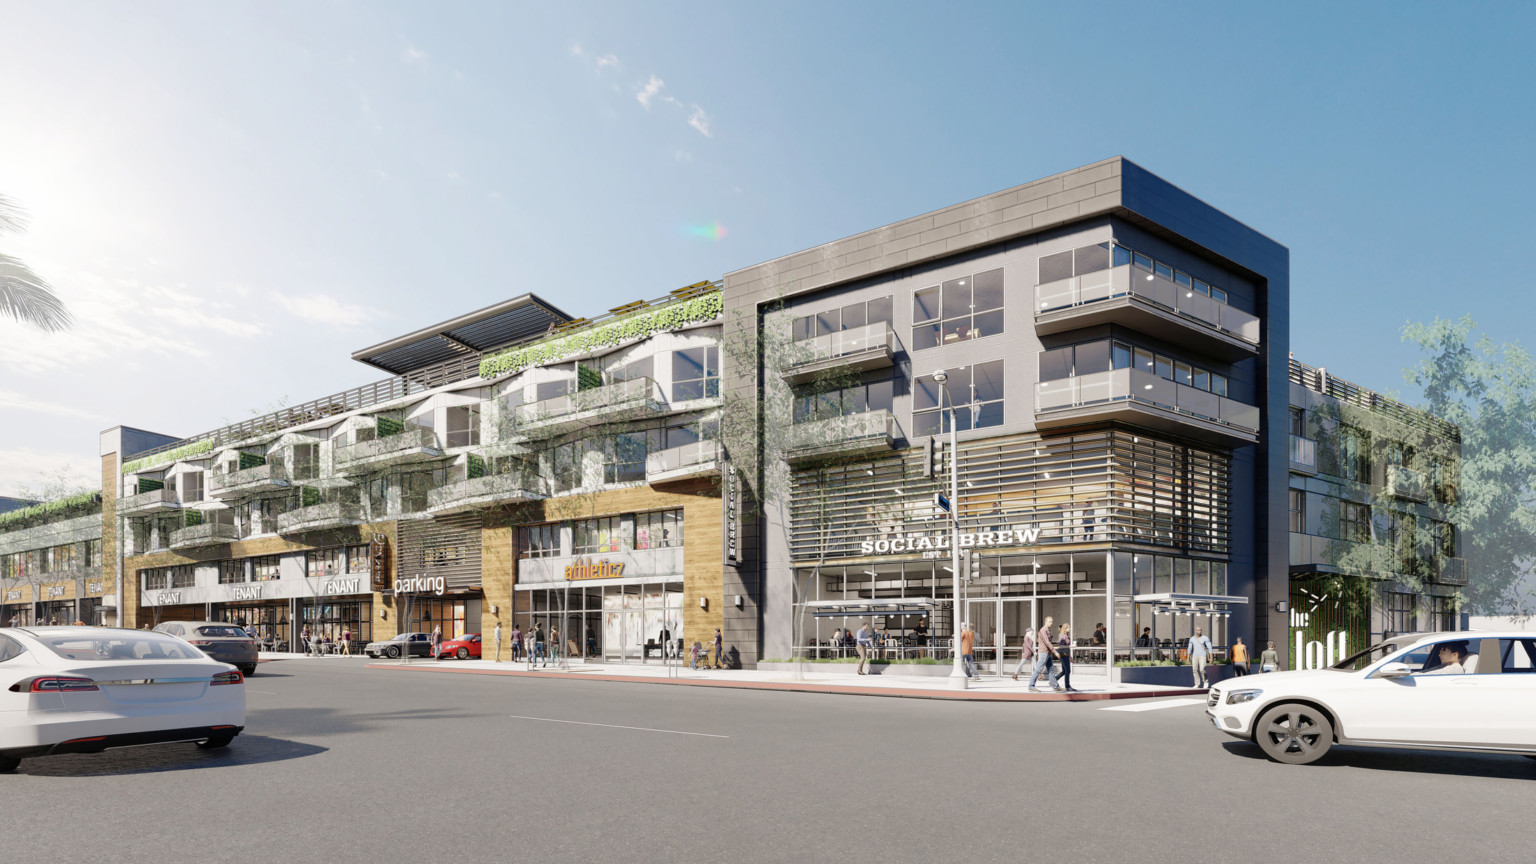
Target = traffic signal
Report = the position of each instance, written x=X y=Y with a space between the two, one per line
x=971 y=564
x=933 y=457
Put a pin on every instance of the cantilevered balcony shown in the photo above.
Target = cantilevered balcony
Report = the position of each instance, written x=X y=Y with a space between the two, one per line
x=1451 y=571
x=859 y=349
x=319 y=517
x=690 y=461
x=206 y=534
x=1144 y=399
x=477 y=492
x=1408 y=484
x=845 y=437
x=634 y=399
x=248 y=482
x=1151 y=304
x=147 y=502
x=411 y=445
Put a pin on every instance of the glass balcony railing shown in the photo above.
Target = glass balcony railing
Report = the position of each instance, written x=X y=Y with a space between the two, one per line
x=482 y=491
x=206 y=534
x=871 y=346
x=1451 y=571
x=621 y=400
x=846 y=435
x=143 y=502
x=317 y=517
x=233 y=484
x=1407 y=483
x=1132 y=385
x=412 y=444
x=1303 y=454
x=1143 y=286
x=690 y=460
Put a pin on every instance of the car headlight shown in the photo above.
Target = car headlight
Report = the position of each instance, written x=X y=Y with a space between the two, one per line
x=1237 y=697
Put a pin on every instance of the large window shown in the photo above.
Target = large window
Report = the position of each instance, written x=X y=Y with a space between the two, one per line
x=624 y=456
x=464 y=426
x=1355 y=522
x=607 y=534
x=660 y=530
x=160 y=578
x=324 y=562
x=978 y=400
x=358 y=559
x=1400 y=608
x=634 y=370
x=541 y=541
x=1354 y=454
x=191 y=486
x=873 y=394
x=1442 y=614
x=306 y=462
x=1298 y=505
x=696 y=373
x=1103 y=355
x=93 y=553
x=266 y=568
x=1298 y=423
x=966 y=308
x=848 y=317
x=231 y=572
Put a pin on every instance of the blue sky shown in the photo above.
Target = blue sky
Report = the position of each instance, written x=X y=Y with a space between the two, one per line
x=234 y=196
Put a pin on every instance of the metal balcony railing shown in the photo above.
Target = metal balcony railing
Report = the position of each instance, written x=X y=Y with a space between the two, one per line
x=1127 y=280
x=1133 y=385
x=206 y=534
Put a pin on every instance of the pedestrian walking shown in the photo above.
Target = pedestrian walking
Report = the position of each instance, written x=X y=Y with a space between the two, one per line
x=437 y=640
x=863 y=641
x=497 y=637
x=554 y=645
x=592 y=644
x=1045 y=655
x=516 y=639
x=1026 y=652
x=968 y=650
x=308 y=640
x=1269 y=661
x=719 y=649
x=693 y=654
x=1064 y=639
x=1239 y=657
x=1199 y=655
x=346 y=642
x=538 y=645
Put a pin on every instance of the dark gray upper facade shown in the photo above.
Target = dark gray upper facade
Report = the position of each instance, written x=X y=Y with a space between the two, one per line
x=1110 y=201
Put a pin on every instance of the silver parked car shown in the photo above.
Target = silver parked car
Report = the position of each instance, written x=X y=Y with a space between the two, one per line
x=222 y=641
x=413 y=644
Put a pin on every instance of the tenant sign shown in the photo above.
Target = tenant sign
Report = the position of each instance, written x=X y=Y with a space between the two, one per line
x=940 y=542
x=586 y=568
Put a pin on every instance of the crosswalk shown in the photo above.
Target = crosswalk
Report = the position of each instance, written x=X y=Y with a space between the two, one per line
x=1155 y=705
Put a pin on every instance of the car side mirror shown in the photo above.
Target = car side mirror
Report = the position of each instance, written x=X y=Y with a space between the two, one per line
x=1394 y=670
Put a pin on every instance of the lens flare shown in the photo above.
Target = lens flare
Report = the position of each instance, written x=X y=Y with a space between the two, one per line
x=712 y=231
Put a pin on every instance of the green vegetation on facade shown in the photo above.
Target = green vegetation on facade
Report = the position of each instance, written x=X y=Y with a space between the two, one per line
x=196 y=448
x=75 y=505
x=636 y=326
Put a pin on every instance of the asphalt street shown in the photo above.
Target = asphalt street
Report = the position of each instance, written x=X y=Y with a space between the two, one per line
x=340 y=763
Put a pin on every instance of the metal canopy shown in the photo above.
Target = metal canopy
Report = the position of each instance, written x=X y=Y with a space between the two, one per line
x=851 y=607
x=504 y=323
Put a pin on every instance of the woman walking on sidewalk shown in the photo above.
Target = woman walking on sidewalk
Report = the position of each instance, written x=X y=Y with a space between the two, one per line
x=1065 y=641
x=1026 y=652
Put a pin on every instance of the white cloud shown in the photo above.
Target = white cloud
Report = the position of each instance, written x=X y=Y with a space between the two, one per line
x=649 y=91
x=607 y=61
x=325 y=309
x=415 y=56
x=576 y=49
x=682 y=155
x=700 y=121
x=453 y=176
x=11 y=400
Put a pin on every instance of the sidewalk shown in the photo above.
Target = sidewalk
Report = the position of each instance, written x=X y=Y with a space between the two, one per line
x=987 y=689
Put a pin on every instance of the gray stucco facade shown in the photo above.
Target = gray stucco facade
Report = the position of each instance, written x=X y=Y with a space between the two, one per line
x=1112 y=201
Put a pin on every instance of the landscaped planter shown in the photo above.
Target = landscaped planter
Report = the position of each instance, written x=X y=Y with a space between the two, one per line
x=1170 y=676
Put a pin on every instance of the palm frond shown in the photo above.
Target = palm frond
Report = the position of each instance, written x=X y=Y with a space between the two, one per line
x=12 y=217
x=28 y=298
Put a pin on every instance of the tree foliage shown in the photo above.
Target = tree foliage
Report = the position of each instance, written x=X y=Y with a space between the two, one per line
x=1489 y=390
x=24 y=295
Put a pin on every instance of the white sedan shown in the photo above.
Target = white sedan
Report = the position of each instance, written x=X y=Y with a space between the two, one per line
x=1470 y=692
x=84 y=689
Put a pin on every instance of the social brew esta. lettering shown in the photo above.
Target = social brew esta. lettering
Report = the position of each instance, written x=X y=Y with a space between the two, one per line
x=419 y=585
x=970 y=540
x=586 y=568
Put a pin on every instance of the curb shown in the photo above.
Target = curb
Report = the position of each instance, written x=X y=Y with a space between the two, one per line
x=796 y=687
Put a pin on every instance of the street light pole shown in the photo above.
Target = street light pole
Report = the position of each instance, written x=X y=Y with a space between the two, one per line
x=957 y=674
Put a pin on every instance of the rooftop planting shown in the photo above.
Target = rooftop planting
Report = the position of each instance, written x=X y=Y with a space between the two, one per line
x=75 y=505
x=196 y=448
x=638 y=325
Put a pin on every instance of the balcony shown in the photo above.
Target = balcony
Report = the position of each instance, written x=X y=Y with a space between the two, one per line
x=206 y=534
x=147 y=502
x=859 y=349
x=700 y=459
x=1150 y=304
x=479 y=492
x=319 y=517
x=1143 y=399
x=635 y=399
x=1408 y=484
x=1451 y=571
x=844 y=437
x=261 y=479
x=410 y=445
x=1303 y=455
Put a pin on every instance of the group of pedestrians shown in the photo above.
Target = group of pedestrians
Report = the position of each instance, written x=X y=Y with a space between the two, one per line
x=1050 y=650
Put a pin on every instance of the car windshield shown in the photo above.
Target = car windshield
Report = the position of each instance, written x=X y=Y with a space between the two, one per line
x=222 y=632
x=119 y=645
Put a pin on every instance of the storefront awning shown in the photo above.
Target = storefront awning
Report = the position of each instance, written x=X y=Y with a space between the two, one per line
x=854 y=606
x=1167 y=603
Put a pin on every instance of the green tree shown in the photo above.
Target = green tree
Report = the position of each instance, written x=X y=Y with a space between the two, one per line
x=24 y=295
x=1489 y=390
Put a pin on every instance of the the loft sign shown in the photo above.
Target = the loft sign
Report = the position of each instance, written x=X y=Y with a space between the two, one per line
x=732 y=503
x=940 y=542
x=586 y=568
x=378 y=561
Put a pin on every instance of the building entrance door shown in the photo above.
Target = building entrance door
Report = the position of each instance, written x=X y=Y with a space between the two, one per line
x=1000 y=624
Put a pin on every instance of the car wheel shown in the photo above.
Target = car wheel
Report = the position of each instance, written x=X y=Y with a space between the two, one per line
x=7 y=764
x=216 y=743
x=392 y=653
x=463 y=654
x=1294 y=734
x=248 y=671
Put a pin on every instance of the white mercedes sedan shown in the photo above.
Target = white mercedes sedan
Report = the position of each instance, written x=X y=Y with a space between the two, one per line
x=1469 y=692
x=85 y=689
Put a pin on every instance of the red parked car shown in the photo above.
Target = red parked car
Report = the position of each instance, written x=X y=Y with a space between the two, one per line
x=464 y=647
